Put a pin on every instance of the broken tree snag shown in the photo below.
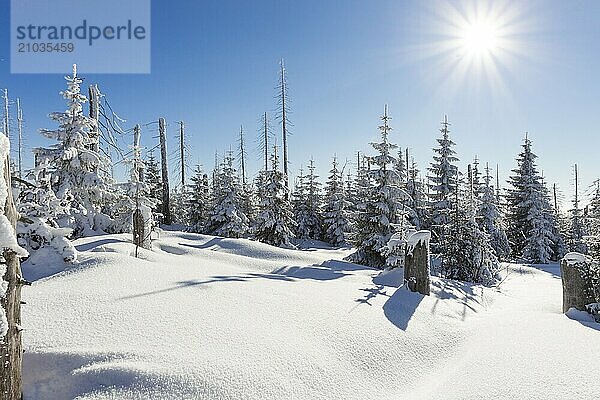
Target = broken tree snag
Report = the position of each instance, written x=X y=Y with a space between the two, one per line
x=138 y=228
x=11 y=349
x=416 y=262
x=575 y=272
x=166 y=208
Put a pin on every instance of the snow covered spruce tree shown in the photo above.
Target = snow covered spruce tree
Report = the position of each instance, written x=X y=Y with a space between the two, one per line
x=40 y=211
x=592 y=220
x=443 y=186
x=576 y=230
x=383 y=211
x=335 y=220
x=198 y=203
x=415 y=188
x=559 y=247
x=74 y=163
x=178 y=200
x=274 y=223
x=227 y=218
x=490 y=219
x=359 y=189
x=401 y=168
x=469 y=255
x=530 y=230
x=248 y=201
x=307 y=205
x=152 y=178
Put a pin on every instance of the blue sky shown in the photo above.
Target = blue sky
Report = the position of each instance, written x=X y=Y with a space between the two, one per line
x=214 y=66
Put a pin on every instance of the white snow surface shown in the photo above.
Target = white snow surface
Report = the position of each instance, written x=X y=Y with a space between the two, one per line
x=202 y=317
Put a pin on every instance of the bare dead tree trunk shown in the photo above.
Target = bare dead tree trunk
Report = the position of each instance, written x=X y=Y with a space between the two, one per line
x=497 y=185
x=93 y=94
x=139 y=233
x=416 y=268
x=242 y=155
x=577 y=292
x=20 y=141
x=166 y=208
x=555 y=199
x=284 y=130
x=266 y=139
x=182 y=152
x=6 y=120
x=11 y=348
x=139 y=225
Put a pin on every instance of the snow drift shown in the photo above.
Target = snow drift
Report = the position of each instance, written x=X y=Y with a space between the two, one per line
x=212 y=318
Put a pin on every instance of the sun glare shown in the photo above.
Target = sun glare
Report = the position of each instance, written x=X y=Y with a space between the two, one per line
x=480 y=38
x=476 y=45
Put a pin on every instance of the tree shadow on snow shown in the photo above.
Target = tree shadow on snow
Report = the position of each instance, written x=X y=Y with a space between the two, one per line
x=99 y=242
x=553 y=269
x=371 y=293
x=326 y=271
x=464 y=292
x=400 y=306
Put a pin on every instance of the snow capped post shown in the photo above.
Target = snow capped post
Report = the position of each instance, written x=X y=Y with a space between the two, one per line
x=11 y=349
x=416 y=262
x=578 y=282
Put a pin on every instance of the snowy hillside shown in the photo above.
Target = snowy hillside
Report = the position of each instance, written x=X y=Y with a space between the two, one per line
x=205 y=317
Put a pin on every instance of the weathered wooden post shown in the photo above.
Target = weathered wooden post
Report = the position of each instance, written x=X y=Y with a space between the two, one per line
x=416 y=262
x=576 y=281
x=11 y=348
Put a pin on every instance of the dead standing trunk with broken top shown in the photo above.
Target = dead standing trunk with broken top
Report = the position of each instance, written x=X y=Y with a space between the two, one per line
x=577 y=290
x=416 y=262
x=11 y=347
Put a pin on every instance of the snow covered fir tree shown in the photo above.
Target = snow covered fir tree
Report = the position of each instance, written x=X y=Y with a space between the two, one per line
x=335 y=212
x=227 y=217
x=274 y=223
x=444 y=188
x=74 y=163
x=531 y=227
x=307 y=205
x=383 y=211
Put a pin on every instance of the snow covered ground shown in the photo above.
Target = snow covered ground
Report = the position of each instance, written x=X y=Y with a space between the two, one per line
x=211 y=318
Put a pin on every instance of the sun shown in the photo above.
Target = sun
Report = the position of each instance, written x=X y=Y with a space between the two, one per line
x=480 y=38
x=468 y=46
